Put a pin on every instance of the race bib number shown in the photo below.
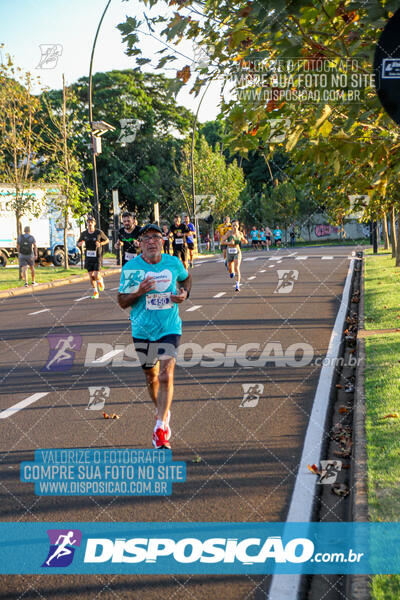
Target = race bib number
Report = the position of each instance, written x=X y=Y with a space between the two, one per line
x=232 y=250
x=158 y=301
x=165 y=239
x=179 y=241
x=91 y=253
x=129 y=255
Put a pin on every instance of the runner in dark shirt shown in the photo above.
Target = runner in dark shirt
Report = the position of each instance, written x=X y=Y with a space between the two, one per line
x=179 y=246
x=93 y=239
x=128 y=237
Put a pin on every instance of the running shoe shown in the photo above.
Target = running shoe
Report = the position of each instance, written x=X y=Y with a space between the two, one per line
x=160 y=440
x=26 y=284
x=237 y=287
x=95 y=296
x=34 y=283
x=190 y=264
x=167 y=427
x=101 y=285
x=231 y=275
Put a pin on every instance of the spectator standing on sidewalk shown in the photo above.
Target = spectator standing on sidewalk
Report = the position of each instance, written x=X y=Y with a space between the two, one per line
x=27 y=254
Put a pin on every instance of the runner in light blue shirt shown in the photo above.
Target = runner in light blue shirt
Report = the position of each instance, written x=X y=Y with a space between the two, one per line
x=152 y=285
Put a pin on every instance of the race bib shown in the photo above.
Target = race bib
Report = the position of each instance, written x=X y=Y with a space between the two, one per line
x=158 y=301
x=129 y=255
x=91 y=253
x=178 y=240
x=166 y=238
x=232 y=250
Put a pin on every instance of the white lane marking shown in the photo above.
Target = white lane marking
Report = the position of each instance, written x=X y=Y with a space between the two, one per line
x=278 y=261
x=106 y=357
x=326 y=257
x=287 y=587
x=221 y=260
x=274 y=258
x=113 y=289
x=20 y=405
x=271 y=266
x=262 y=270
x=253 y=277
x=192 y=308
x=301 y=258
x=219 y=294
x=83 y=298
x=293 y=254
x=251 y=258
x=37 y=312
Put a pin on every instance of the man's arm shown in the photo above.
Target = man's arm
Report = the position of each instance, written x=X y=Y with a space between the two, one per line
x=35 y=251
x=184 y=287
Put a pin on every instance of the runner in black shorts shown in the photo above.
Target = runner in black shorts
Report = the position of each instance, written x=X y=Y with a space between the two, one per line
x=152 y=286
x=179 y=245
x=93 y=239
x=165 y=237
x=128 y=237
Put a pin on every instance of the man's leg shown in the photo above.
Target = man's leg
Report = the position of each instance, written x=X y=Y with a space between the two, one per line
x=24 y=273
x=32 y=268
x=152 y=382
x=166 y=389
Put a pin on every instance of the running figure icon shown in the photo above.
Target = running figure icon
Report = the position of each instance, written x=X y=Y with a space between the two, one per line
x=63 y=347
x=62 y=549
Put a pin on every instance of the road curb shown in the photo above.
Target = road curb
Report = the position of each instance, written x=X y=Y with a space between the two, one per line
x=359 y=585
x=304 y=495
x=52 y=284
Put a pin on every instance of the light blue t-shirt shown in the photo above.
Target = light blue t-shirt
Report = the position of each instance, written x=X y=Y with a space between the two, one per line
x=263 y=235
x=154 y=315
x=277 y=234
x=254 y=234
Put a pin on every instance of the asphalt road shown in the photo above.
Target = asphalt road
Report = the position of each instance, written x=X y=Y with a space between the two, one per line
x=241 y=452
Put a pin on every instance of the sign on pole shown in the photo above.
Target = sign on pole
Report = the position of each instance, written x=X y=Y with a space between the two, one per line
x=115 y=202
x=156 y=213
x=387 y=68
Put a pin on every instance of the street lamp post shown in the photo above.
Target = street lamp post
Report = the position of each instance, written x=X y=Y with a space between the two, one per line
x=96 y=203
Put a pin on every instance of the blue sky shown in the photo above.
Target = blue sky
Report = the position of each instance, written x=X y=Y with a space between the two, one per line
x=72 y=23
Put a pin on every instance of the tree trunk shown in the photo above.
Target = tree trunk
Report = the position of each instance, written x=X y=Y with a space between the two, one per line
x=393 y=237
x=385 y=232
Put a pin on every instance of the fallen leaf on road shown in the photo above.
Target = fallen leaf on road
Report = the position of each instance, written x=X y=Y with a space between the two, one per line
x=106 y=416
x=340 y=489
x=314 y=469
x=197 y=459
x=391 y=416
x=343 y=410
x=339 y=386
x=114 y=416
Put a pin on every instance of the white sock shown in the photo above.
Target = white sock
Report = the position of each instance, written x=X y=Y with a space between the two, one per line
x=160 y=425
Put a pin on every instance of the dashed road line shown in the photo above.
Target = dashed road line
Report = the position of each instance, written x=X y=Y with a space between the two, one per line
x=22 y=404
x=106 y=357
x=83 y=298
x=252 y=277
x=37 y=312
x=219 y=294
x=192 y=308
x=301 y=258
x=326 y=257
